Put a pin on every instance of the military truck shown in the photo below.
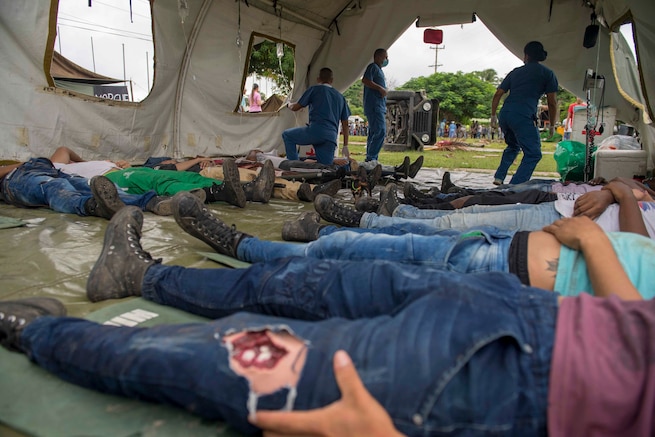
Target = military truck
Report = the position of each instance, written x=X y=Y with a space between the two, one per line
x=411 y=121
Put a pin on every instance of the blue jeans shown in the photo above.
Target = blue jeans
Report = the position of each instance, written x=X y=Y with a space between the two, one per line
x=483 y=250
x=520 y=134
x=37 y=183
x=519 y=217
x=377 y=130
x=442 y=352
x=307 y=135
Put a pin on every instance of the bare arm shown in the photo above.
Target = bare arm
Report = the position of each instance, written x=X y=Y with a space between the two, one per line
x=630 y=218
x=552 y=108
x=6 y=169
x=64 y=155
x=495 y=101
x=295 y=106
x=185 y=165
x=603 y=267
x=344 y=130
x=374 y=86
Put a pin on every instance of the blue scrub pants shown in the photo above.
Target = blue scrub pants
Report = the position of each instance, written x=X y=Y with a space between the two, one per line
x=521 y=133
x=306 y=135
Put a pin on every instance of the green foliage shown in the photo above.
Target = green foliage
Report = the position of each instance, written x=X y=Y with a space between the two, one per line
x=355 y=98
x=489 y=75
x=461 y=96
x=264 y=62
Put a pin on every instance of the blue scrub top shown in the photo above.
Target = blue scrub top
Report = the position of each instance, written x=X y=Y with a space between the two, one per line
x=373 y=100
x=526 y=85
x=327 y=108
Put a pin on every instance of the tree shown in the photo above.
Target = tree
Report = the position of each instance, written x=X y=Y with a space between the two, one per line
x=355 y=98
x=489 y=75
x=461 y=96
x=264 y=62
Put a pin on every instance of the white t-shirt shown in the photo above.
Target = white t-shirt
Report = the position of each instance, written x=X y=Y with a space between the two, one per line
x=609 y=219
x=86 y=169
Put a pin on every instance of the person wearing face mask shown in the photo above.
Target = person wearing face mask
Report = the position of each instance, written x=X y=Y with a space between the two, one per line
x=518 y=115
x=375 y=103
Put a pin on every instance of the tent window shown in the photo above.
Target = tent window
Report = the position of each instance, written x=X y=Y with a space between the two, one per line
x=104 y=50
x=271 y=65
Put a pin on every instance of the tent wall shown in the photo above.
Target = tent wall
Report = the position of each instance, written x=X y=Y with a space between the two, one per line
x=199 y=68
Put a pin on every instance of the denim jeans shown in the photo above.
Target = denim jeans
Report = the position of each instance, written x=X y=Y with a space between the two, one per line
x=519 y=217
x=37 y=183
x=306 y=135
x=442 y=353
x=483 y=250
x=377 y=130
x=520 y=134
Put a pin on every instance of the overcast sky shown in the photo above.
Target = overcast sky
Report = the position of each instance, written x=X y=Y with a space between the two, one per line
x=465 y=48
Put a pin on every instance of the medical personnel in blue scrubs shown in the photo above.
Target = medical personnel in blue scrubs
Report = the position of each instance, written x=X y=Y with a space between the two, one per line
x=327 y=108
x=518 y=117
x=375 y=103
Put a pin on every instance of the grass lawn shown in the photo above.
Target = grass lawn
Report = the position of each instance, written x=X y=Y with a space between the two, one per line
x=484 y=158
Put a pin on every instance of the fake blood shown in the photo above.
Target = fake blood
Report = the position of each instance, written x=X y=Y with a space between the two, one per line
x=255 y=349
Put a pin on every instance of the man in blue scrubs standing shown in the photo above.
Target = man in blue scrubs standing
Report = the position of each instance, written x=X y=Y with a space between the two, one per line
x=327 y=108
x=518 y=117
x=375 y=103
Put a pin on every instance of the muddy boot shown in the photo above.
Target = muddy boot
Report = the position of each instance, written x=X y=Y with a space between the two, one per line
x=305 y=228
x=334 y=212
x=367 y=204
x=373 y=178
x=197 y=221
x=105 y=201
x=414 y=195
x=446 y=183
x=119 y=271
x=15 y=315
x=230 y=190
x=261 y=188
x=388 y=200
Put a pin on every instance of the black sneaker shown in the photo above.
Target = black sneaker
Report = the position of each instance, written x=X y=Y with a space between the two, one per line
x=261 y=188
x=414 y=167
x=119 y=271
x=105 y=202
x=305 y=228
x=367 y=204
x=388 y=200
x=197 y=221
x=334 y=212
x=15 y=315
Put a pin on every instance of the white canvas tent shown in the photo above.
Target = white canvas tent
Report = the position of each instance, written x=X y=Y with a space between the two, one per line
x=199 y=67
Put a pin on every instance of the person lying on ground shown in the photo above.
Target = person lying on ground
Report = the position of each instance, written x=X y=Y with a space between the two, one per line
x=477 y=353
x=195 y=165
x=137 y=180
x=37 y=183
x=616 y=207
x=570 y=256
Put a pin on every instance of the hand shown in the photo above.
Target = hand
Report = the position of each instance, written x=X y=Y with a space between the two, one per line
x=345 y=151
x=574 y=231
x=383 y=92
x=620 y=190
x=592 y=204
x=494 y=121
x=599 y=180
x=357 y=413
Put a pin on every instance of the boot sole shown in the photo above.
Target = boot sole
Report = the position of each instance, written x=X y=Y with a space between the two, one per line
x=106 y=195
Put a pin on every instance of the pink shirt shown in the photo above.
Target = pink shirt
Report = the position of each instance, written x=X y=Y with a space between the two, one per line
x=602 y=378
x=255 y=102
